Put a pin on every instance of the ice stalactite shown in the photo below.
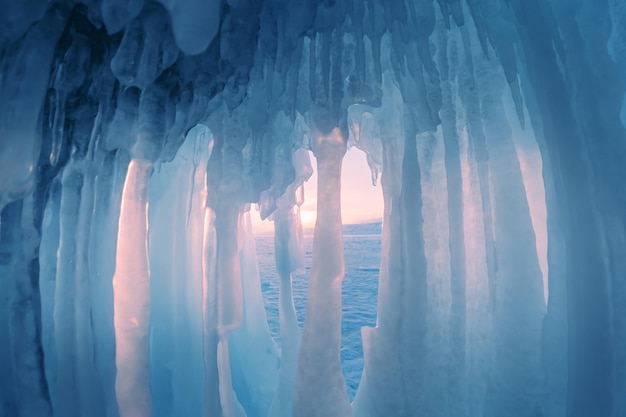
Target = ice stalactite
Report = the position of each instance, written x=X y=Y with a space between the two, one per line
x=431 y=158
x=116 y=14
x=393 y=351
x=478 y=221
x=617 y=43
x=596 y=103
x=286 y=223
x=23 y=363
x=448 y=47
x=229 y=300
x=320 y=388
x=471 y=104
x=127 y=259
x=25 y=75
x=131 y=295
x=195 y=23
x=109 y=185
x=79 y=234
x=519 y=300
x=176 y=234
x=146 y=49
x=211 y=404
x=64 y=316
x=222 y=286
x=78 y=387
x=255 y=371
x=288 y=243
x=587 y=277
x=50 y=235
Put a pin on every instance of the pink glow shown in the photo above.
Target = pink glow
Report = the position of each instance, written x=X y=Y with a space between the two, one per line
x=131 y=295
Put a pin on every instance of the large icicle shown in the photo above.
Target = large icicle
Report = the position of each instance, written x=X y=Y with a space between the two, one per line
x=177 y=207
x=285 y=224
x=448 y=63
x=394 y=351
x=64 y=316
x=222 y=286
x=131 y=290
x=589 y=339
x=320 y=389
x=516 y=382
x=79 y=389
x=24 y=77
x=289 y=258
x=253 y=351
x=24 y=391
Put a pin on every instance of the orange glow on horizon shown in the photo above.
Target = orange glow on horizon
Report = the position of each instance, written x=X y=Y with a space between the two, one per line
x=308 y=218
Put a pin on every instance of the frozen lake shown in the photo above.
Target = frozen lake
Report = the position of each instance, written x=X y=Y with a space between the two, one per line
x=360 y=292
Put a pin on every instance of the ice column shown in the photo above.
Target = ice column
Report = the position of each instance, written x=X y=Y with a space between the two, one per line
x=222 y=285
x=516 y=381
x=79 y=390
x=211 y=395
x=177 y=206
x=289 y=258
x=24 y=78
x=131 y=289
x=448 y=59
x=320 y=388
x=23 y=380
x=589 y=345
x=394 y=351
x=253 y=351
x=285 y=224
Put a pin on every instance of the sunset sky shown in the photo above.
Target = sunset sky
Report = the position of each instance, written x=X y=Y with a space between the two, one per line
x=360 y=201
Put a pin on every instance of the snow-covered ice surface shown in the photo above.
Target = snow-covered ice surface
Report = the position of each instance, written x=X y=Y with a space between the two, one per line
x=137 y=135
x=360 y=295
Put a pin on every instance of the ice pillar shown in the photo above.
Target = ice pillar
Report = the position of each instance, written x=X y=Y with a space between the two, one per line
x=131 y=295
x=253 y=352
x=285 y=224
x=320 y=388
x=394 y=349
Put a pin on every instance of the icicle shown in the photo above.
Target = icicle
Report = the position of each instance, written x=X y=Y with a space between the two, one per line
x=89 y=398
x=320 y=389
x=219 y=397
x=50 y=240
x=57 y=126
x=519 y=302
x=177 y=207
x=289 y=256
x=285 y=234
x=195 y=23
x=146 y=50
x=366 y=136
x=253 y=352
x=20 y=359
x=395 y=350
x=617 y=46
x=131 y=289
x=518 y=100
x=117 y=13
x=211 y=395
x=448 y=59
x=111 y=172
x=25 y=77
x=64 y=306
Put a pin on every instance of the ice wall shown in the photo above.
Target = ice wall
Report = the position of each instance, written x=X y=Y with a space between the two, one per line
x=135 y=136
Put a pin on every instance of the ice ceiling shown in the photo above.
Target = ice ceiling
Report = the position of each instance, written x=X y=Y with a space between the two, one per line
x=135 y=135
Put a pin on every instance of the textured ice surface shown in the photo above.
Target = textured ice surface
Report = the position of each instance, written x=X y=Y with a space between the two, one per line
x=135 y=136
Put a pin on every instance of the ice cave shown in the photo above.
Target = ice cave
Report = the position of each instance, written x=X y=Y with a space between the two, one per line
x=140 y=138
